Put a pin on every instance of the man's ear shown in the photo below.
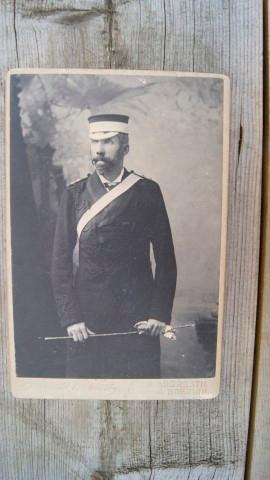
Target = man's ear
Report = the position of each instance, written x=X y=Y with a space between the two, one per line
x=125 y=149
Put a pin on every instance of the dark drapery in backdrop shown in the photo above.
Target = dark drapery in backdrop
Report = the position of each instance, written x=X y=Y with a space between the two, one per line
x=33 y=304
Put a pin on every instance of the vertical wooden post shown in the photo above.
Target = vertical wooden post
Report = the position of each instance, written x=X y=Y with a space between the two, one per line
x=258 y=458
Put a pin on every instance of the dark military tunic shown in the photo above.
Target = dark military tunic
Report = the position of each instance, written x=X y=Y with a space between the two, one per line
x=114 y=286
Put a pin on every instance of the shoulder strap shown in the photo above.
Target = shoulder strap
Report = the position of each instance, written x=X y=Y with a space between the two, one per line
x=105 y=200
x=97 y=207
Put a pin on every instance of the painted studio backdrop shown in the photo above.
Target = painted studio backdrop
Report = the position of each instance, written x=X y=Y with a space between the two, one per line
x=176 y=126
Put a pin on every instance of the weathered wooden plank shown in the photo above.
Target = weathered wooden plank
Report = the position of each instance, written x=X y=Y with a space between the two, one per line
x=193 y=473
x=22 y=423
x=66 y=33
x=180 y=440
x=72 y=439
x=258 y=464
x=220 y=44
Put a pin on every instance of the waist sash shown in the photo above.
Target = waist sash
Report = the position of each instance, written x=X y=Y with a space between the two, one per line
x=97 y=207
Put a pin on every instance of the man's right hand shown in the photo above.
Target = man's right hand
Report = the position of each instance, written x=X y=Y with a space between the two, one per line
x=79 y=332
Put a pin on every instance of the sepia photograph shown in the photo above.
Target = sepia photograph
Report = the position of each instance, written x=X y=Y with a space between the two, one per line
x=116 y=232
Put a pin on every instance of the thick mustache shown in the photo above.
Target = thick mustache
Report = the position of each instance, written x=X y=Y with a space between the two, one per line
x=100 y=157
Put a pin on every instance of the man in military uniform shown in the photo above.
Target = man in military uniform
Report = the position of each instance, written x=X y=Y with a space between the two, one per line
x=101 y=271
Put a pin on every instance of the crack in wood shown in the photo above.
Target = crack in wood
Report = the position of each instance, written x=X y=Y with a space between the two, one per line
x=116 y=53
x=194 y=30
x=150 y=450
x=215 y=471
x=240 y=142
x=99 y=475
x=165 y=466
x=15 y=32
x=140 y=27
x=36 y=40
x=188 y=433
x=165 y=35
x=210 y=438
x=189 y=473
x=110 y=18
x=239 y=150
x=66 y=16
x=44 y=438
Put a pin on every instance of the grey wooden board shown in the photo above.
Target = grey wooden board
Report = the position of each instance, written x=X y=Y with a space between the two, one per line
x=177 y=439
x=259 y=458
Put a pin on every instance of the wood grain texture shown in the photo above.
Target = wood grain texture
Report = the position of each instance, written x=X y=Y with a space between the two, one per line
x=258 y=465
x=146 y=440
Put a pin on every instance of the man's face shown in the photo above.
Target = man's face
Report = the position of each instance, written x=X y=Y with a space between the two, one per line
x=107 y=154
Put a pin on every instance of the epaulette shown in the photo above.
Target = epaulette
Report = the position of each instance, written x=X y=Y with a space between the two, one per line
x=78 y=180
x=77 y=186
x=142 y=176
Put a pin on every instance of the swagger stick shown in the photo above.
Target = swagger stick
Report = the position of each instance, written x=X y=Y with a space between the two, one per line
x=91 y=335
x=94 y=335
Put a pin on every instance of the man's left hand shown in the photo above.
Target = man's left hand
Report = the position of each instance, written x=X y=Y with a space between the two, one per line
x=151 y=327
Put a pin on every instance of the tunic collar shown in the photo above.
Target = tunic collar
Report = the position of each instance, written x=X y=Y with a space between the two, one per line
x=95 y=187
x=115 y=181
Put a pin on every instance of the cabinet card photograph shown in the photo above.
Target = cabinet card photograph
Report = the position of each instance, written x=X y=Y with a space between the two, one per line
x=116 y=233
